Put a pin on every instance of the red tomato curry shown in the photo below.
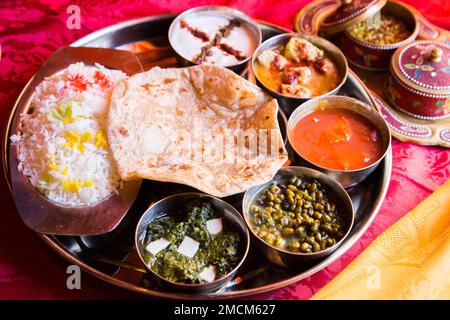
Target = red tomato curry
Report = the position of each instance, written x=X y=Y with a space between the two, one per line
x=338 y=139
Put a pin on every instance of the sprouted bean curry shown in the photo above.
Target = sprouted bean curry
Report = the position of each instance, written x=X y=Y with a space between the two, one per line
x=297 y=216
x=299 y=69
x=196 y=245
x=380 y=30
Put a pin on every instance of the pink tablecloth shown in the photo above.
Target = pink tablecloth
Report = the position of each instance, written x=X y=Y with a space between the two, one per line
x=31 y=30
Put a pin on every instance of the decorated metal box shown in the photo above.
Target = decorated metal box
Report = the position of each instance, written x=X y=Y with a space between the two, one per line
x=419 y=80
x=363 y=53
x=367 y=31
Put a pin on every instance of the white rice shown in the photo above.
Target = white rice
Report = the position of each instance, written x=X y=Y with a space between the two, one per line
x=66 y=157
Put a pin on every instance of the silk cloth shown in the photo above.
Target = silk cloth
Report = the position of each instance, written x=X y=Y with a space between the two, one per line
x=410 y=260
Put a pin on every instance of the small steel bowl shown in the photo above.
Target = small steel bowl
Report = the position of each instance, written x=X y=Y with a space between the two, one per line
x=288 y=104
x=170 y=205
x=217 y=10
x=336 y=193
x=347 y=178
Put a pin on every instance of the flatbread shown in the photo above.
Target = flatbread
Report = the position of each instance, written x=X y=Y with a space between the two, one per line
x=194 y=126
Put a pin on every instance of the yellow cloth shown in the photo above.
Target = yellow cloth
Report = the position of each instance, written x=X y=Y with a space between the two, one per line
x=410 y=260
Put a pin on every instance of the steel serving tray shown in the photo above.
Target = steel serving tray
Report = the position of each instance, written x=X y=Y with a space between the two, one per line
x=113 y=258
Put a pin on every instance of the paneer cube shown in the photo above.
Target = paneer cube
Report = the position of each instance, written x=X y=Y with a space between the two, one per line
x=214 y=226
x=297 y=75
x=298 y=49
x=297 y=91
x=269 y=58
x=156 y=246
x=188 y=247
x=208 y=274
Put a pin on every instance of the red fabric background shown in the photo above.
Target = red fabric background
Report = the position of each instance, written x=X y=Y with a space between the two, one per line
x=31 y=30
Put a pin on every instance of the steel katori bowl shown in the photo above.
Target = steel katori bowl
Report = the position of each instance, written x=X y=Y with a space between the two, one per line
x=288 y=103
x=170 y=206
x=336 y=193
x=347 y=178
x=226 y=12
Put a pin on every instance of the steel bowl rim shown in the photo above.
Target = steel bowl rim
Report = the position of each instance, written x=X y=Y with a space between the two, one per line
x=231 y=209
x=356 y=101
x=227 y=10
x=303 y=36
x=345 y=198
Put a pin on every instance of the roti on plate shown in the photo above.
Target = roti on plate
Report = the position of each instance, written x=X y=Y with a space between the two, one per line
x=203 y=126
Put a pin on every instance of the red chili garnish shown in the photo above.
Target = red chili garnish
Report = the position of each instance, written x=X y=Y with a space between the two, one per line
x=230 y=50
x=101 y=80
x=194 y=31
x=78 y=83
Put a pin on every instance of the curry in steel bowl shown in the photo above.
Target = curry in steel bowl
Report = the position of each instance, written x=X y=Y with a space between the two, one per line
x=338 y=139
x=192 y=241
x=297 y=215
x=198 y=245
x=297 y=69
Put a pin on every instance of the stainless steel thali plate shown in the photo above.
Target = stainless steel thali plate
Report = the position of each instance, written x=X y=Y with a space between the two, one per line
x=112 y=256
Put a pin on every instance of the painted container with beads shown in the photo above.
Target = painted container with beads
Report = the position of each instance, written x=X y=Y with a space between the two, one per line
x=419 y=80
